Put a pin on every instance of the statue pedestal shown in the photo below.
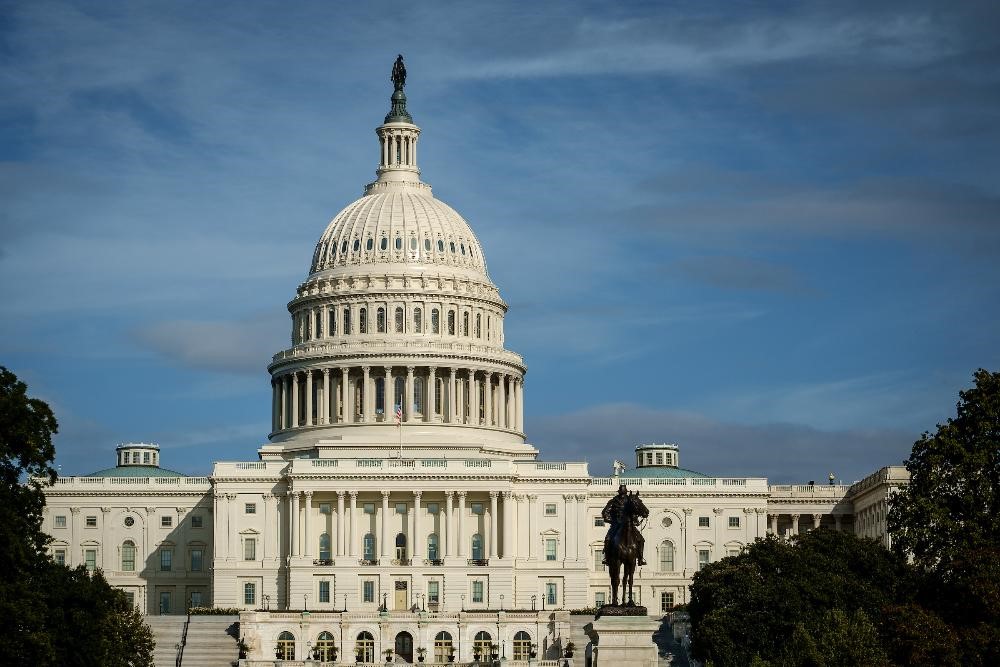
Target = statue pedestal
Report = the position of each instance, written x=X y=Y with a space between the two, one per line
x=624 y=640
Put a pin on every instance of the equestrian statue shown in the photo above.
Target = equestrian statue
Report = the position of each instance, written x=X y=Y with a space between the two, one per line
x=623 y=546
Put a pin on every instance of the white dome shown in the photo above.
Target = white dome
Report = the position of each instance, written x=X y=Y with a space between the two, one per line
x=398 y=223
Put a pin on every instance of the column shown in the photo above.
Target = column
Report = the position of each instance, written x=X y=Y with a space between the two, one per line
x=293 y=523
x=349 y=525
x=493 y=524
x=233 y=533
x=474 y=413
x=570 y=551
x=502 y=414
x=817 y=518
x=417 y=541
x=312 y=324
x=408 y=411
x=384 y=539
x=306 y=520
x=452 y=410
x=488 y=399
x=295 y=400
x=340 y=523
x=274 y=405
x=460 y=528
x=275 y=524
x=520 y=405
x=309 y=398
x=346 y=415
x=324 y=415
x=218 y=517
x=285 y=398
x=582 y=522
x=508 y=525
x=388 y=397
x=430 y=413
x=367 y=403
x=773 y=521
x=532 y=525
x=447 y=523
x=795 y=524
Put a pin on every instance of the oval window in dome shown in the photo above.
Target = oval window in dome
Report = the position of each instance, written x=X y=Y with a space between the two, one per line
x=427 y=245
x=463 y=248
x=383 y=244
x=370 y=244
x=440 y=245
x=357 y=245
x=413 y=243
x=452 y=247
x=343 y=247
x=399 y=243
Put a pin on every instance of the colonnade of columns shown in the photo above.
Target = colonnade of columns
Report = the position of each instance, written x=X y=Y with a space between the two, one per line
x=398 y=147
x=800 y=522
x=366 y=394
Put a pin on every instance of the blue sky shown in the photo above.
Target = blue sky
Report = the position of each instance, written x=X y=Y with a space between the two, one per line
x=768 y=232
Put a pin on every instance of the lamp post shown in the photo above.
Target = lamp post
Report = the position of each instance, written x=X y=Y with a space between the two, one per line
x=463 y=601
x=533 y=597
x=305 y=601
x=501 y=602
x=423 y=602
x=345 y=601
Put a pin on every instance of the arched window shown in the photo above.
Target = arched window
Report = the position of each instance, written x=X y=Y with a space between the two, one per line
x=399 y=320
x=379 y=396
x=667 y=556
x=128 y=556
x=438 y=391
x=465 y=324
x=364 y=650
x=383 y=244
x=333 y=322
x=399 y=243
x=435 y=321
x=479 y=325
x=452 y=247
x=482 y=646
x=343 y=247
x=324 y=546
x=489 y=327
x=418 y=320
x=477 y=547
x=357 y=245
x=522 y=646
x=363 y=320
x=324 y=647
x=413 y=243
x=369 y=546
x=433 y=553
x=400 y=547
x=369 y=244
x=440 y=245
x=442 y=647
x=380 y=319
x=286 y=646
x=427 y=245
x=418 y=396
x=347 y=321
x=451 y=322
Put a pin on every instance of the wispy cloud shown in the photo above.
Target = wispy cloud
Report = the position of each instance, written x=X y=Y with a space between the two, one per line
x=231 y=346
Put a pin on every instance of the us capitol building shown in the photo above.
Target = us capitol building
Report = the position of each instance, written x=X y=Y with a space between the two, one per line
x=397 y=499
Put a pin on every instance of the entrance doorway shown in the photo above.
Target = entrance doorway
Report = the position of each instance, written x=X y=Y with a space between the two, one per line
x=404 y=646
x=402 y=599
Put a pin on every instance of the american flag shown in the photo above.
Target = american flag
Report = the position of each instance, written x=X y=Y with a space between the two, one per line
x=399 y=413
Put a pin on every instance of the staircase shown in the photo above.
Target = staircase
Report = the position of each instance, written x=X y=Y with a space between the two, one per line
x=208 y=643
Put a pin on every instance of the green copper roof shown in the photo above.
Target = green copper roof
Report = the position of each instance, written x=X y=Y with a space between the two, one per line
x=398 y=112
x=135 y=471
x=661 y=471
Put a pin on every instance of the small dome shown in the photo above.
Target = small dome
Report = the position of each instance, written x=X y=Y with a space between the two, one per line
x=135 y=471
x=662 y=471
x=399 y=224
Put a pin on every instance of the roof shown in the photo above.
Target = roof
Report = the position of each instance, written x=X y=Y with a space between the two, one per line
x=661 y=471
x=135 y=471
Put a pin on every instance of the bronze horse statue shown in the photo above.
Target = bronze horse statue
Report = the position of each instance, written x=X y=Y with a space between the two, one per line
x=624 y=544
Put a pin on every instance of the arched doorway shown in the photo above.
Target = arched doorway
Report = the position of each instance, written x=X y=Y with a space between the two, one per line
x=404 y=646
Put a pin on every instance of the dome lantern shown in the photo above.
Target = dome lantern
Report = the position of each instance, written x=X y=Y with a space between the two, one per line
x=397 y=138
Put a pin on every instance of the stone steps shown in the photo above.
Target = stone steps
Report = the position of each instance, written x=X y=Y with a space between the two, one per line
x=208 y=643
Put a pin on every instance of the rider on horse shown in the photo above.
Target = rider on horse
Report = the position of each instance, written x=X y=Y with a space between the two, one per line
x=614 y=514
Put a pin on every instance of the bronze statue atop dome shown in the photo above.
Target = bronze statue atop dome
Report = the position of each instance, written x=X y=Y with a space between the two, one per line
x=398 y=73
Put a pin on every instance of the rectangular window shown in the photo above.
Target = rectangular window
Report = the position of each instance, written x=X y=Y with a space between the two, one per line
x=59 y=521
x=249 y=593
x=347 y=321
x=369 y=508
x=197 y=557
x=550 y=549
x=666 y=601
x=91 y=522
x=703 y=522
x=324 y=591
x=432 y=508
x=130 y=596
x=599 y=599
x=324 y=508
x=145 y=457
x=733 y=552
x=368 y=591
x=195 y=598
x=598 y=522
x=196 y=521
x=550 y=509
x=598 y=559
x=477 y=508
x=90 y=559
x=649 y=458
x=400 y=508
x=60 y=556
x=250 y=508
x=433 y=592
x=166 y=521
x=166 y=559
x=250 y=549
x=551 y=593
x=703 y=556
x=659 y=458
x=734 y=522
x=477 y=591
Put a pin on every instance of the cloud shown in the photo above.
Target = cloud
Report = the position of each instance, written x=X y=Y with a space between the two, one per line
x=231 y=346
x=740 y=273
x=782 y=452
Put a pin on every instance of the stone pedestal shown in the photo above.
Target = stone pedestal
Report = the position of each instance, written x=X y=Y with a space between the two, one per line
x=624 y=640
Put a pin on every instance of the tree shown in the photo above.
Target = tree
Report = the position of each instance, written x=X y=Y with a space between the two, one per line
x=952 y=504
x=49 y=614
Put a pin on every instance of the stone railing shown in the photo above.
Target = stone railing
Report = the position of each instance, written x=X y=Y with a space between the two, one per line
x=825 y=491
x=180 y=484
x=249 y=468
x=685 y=484
x=361 y=346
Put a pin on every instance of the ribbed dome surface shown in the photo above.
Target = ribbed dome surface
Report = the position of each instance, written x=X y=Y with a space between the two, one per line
x=399 y=225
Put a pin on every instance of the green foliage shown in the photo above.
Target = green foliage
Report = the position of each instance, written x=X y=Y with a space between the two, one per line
x=215 y=611
x=49 y=614
x=952 y=504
